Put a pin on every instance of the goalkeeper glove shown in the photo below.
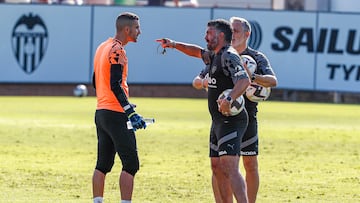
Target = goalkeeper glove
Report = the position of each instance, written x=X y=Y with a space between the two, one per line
x=137 y=121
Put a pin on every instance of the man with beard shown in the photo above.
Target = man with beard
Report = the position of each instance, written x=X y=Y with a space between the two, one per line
x=226 y=71
x=264 y=76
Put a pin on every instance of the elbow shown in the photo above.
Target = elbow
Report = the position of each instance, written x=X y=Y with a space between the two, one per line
x=271 y=81
x=115 y=86
x=274 y=82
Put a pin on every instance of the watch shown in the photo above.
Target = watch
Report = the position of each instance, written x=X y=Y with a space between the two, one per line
x=253 y=77
x=229 y=99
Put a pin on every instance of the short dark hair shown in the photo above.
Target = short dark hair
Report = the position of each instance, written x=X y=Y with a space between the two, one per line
x=128 y=16
x=125 y=19
x=222 y=25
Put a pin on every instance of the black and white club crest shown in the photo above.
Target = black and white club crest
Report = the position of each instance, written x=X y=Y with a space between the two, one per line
x=213 y=69
x=29 y=42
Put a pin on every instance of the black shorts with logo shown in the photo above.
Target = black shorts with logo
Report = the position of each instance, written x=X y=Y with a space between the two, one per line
x=250 y=141
x=226 y=135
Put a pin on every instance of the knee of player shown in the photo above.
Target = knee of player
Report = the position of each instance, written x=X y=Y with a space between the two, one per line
x=131 y=166
x=103 y=170
x=104 y=167
x=215 y=167
x=250 y=165
x=131 y=171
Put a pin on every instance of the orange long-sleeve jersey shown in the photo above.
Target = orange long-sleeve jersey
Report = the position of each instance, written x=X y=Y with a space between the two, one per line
x=110 y=76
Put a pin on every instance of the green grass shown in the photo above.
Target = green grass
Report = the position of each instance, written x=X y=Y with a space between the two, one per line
x=308 y=152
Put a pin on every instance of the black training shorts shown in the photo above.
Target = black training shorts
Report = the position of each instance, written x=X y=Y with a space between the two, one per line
x=226 y=134
x=250 y=141
x=115 y=137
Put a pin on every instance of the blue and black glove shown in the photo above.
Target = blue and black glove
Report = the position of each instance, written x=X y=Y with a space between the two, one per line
x=136 y=121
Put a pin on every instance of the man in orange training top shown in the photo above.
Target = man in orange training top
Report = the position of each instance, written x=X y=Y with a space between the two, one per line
x=115 y=118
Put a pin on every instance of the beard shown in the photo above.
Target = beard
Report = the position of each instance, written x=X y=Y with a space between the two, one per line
x=211 y=45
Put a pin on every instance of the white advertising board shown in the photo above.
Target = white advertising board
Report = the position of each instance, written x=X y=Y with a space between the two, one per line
x=338 y=64
x=44 y=43
x=279 y=34
x=308 y=51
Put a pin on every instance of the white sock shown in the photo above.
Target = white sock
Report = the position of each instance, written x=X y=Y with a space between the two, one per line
x=125 y=201
x=98 y=199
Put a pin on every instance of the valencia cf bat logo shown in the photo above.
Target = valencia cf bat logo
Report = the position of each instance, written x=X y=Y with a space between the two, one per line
x=29 y=42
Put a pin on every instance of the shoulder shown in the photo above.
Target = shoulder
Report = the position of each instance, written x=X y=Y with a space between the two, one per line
x=258 y=56
x=255 y=53
x=117 y=54
x=206 y=56
x=116 y=45
x=229 y=50
x=263 y=63
x=230 y=53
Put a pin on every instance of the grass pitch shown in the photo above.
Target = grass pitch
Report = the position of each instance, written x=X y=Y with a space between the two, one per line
x=308 y=152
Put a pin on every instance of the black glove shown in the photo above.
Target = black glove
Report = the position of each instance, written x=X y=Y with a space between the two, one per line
x=137 y=121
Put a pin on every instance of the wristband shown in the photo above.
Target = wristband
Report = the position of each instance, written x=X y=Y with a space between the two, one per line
x=131 y=114
x=129 y=110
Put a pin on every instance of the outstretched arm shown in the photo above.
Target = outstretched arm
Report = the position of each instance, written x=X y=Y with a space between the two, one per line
x=188 y=49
